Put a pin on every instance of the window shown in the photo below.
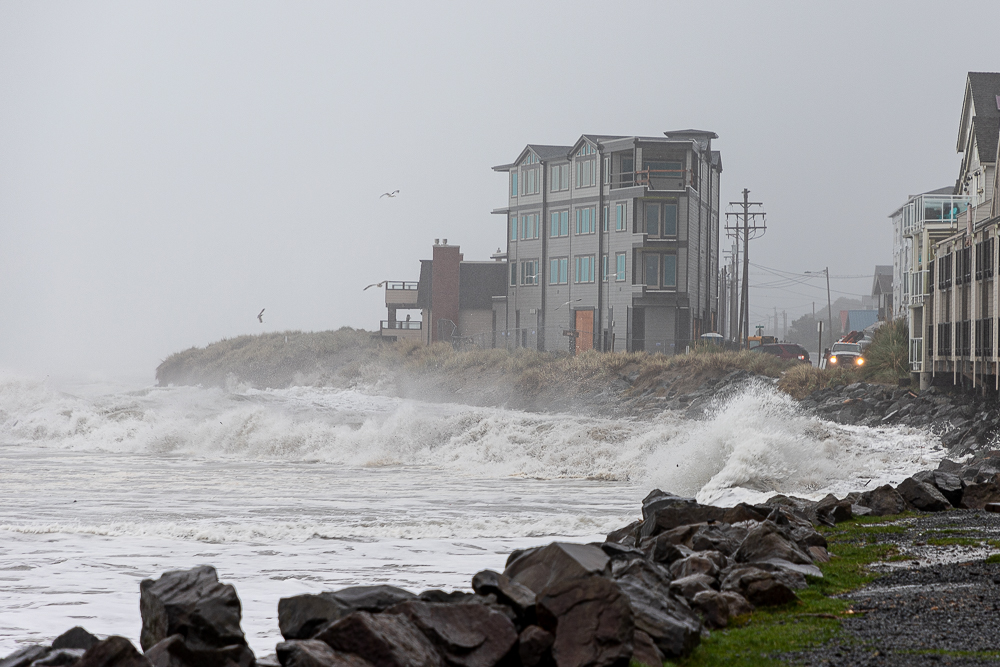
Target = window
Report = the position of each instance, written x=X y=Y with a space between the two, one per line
x=559 y=175
x=586 y=173
x=529 y=226
x=619 y=266
x=620 y=217
x=607 y=171
x=604 y=268
x=660 y=270
x=585 y=222
x=529 y=272
x=661 y=219
x=513 y=274
x=584 y=269
x=557 y=271
x=513 y=183
x=559 y=223
x=604 y=219
x=513 y=228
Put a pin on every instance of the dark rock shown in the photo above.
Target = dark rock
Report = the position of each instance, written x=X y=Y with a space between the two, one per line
x=60 y=657
x=975 y=496
x=883 y=501
x=922 y=495
x=301 y=616
x=114 y=651
x=175 y=652
x=314 y=653
x=860 y=510
x=715 y=538
x=372 y=598
x=617 y=551
x=669 y=513
x=626 y=535
x=662 y=550
x=765 y=542
x=769 y=592
x=794 y=570
x=689 y=586
x=534 y=647
x=696 y=564
x=740 y=579
x=75 y=638
x=451 y=597
x=743 y=512
x=591 y=619
x=947 y=465
x=520 y=598
x=385 y=640
x=673 y=627
x=713 y=607
x=466 y=635
x=738 y=605
x=830 y=510
x=23 y=657
x=950 y=485
x=644 y=651
x=270 y=660
x=818 y=554
x=191 y=603
x=558 y=561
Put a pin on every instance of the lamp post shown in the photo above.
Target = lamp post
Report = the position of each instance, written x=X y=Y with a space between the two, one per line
x=829 y=307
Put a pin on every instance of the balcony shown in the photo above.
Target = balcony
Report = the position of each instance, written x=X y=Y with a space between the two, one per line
x=400 y=294
x=401 y=330
x=654 y=179
x=919 y=287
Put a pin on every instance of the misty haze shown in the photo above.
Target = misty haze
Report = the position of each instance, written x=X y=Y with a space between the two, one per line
x=508 y=334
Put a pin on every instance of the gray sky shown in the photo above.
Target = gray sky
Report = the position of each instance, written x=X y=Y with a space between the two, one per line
x=167 y=169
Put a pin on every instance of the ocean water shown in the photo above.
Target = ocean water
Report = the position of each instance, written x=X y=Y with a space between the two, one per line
x=309 y=489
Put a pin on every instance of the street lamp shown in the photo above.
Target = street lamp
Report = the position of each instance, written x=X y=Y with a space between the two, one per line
x=829 y=306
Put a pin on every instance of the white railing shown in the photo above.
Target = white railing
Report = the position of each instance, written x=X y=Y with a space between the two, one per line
x=919 y=287
x=916 y=354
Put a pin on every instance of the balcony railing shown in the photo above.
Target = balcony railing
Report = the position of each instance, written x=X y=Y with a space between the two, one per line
x=412 y=325
x=654 y=179
x=400 y=293
x=919 y=287
x=916 y=354
x=401 y=285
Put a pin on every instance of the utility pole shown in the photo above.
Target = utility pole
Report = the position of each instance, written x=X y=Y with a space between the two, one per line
x=753 y=226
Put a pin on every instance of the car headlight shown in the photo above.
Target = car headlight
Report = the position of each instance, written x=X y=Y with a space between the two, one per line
x=802 y=357
x=833 y=360
x=860 y=361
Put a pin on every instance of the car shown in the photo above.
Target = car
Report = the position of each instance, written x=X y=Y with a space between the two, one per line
x=787 y=351
x=846 y=355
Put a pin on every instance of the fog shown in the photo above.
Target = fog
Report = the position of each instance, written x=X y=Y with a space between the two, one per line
x=167 y=169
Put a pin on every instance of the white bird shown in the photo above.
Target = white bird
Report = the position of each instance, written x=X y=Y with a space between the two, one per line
x=389 y=194
x=567 y=303
x=376 y=284
x=260 y=316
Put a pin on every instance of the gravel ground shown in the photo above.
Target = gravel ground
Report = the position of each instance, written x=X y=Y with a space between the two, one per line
x=940 y=607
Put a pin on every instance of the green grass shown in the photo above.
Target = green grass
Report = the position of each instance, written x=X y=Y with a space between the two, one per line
x=758 y=640
x=993 y=559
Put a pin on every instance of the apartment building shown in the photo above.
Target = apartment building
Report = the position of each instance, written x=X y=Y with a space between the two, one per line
x=612 y=243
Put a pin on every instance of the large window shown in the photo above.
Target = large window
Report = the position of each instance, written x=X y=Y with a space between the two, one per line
x=620 y=217
x=558 y=271
x=660 y=270
x=559 y=223
x=532 y=184
x=513 y=228
x=584 y=269
x=604 y=218
x=513 y=183
x=586 y=173
x=529 y=272
x=619 y=267
x=559 y=175
x=529 y=226
x=604 y=268
x=585 y=220
x=661 y=219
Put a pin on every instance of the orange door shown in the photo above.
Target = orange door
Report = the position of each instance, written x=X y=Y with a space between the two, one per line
x=585 y=330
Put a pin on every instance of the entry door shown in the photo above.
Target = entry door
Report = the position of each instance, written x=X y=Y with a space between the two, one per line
x=585 y=330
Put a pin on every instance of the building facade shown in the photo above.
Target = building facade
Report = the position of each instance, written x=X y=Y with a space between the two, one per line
x=612 y=244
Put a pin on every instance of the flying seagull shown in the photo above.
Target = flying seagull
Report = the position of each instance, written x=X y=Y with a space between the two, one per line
x=389 y=194
x=376 y=284
x=260 y=316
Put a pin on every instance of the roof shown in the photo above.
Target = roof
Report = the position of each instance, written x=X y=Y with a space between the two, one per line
x=882 y=283
x=692 y=133
x=883 y=269
x=549 y=152
x=858 y=320
x=980 y=113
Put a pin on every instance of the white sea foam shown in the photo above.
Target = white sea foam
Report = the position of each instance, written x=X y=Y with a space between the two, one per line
x=306 y=489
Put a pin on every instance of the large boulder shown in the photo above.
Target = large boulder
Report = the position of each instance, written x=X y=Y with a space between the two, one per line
x=591 y=620
x=301 y=616
x=644 y=650
x=560 y=561
x=673 y=627
x=519 y=598
x=385 y=640
x=949 y=484
x=314 y=653
x=534 y=647
x=713 y=607
x=765 y=541
x=883 y=501
x=715 y=537
x=175 y=652
x=738 y=605
x=976 y=496
x=694 y=564
x=467 y=635
x=668 y=512
x=23 y=657
x=922 y=495
x=75 y=638
x=193 y=604
x=60 y=657
x=762 y=588
x=114 y=651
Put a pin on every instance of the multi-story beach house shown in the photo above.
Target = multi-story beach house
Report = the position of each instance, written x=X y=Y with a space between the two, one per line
x=612 y=244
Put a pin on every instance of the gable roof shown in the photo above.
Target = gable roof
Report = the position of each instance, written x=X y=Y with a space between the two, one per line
x=980 y=114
